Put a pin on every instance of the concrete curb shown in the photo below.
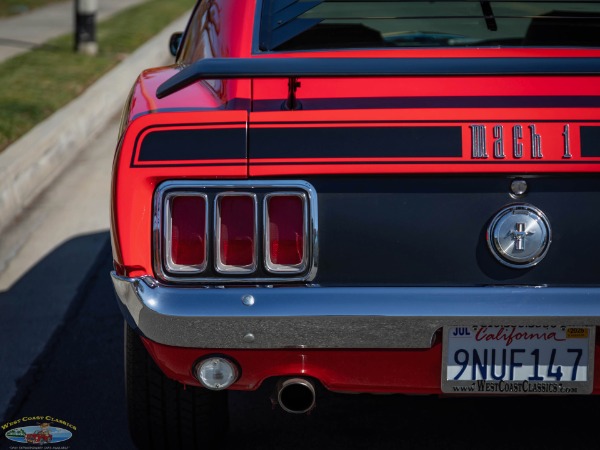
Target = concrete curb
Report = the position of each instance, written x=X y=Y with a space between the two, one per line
x=34 y=161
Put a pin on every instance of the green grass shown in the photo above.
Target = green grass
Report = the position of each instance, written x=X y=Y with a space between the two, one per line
x=36 y=84
x=13 y=7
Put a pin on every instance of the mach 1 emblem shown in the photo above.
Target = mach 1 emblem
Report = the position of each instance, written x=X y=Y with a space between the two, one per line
x=518 y=140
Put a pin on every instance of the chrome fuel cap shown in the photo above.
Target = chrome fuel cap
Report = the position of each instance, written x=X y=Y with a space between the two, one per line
x=519 y=236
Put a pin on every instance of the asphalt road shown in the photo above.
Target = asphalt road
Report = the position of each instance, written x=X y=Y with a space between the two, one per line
x=80 y=380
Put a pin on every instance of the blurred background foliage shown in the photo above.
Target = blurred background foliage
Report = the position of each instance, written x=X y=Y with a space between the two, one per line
x=36 y=84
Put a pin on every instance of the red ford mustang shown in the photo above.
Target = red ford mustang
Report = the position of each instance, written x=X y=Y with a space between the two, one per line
x=379 y=197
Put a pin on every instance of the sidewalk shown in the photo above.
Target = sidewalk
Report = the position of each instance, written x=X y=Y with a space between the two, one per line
x=56 y=197
x=32 y=162
x=21 y=33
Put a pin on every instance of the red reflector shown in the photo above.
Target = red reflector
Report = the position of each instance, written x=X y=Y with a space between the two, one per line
x=188 y=230
x=236 y=230
x=286 y=229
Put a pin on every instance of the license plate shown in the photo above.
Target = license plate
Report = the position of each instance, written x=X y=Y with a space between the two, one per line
x=518 y=360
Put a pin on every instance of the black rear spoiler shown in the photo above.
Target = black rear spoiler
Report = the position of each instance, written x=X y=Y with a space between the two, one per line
x=293 y=68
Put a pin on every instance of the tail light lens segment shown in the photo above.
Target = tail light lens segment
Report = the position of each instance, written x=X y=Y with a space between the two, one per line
x=285 y=230
x=186 y=232
x=236 y=233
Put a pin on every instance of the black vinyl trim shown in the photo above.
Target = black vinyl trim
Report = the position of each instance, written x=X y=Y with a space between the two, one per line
x=590 y=141
x=430 y=230
x=373 y=142
x=194 y=144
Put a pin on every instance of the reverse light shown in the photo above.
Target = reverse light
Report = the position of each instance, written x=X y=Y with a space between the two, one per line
x=235 y=228
x=286 y=231
x=186 y=232
x=216 y=373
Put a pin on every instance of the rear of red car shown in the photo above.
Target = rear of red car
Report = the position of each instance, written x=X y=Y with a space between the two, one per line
x=384 y=197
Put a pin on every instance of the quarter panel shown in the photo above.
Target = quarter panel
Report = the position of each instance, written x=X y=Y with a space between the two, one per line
x=185 y=154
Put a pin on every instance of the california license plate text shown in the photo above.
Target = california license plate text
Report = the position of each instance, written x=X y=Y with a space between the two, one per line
x=517 y=358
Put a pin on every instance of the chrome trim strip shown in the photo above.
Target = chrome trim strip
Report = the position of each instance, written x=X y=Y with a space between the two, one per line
x=339 y=317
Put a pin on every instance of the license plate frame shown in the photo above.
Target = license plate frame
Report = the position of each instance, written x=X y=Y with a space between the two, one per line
x=520 y=342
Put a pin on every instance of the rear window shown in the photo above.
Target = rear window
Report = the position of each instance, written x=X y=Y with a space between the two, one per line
x=331 y=24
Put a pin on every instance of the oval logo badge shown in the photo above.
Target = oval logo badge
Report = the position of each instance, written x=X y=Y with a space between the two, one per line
x=519 y=236
x=40 y=434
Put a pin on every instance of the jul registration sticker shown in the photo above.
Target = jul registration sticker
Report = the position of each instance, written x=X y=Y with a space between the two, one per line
x=518 y=360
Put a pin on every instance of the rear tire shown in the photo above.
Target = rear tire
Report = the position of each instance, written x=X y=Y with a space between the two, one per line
x=163 y=414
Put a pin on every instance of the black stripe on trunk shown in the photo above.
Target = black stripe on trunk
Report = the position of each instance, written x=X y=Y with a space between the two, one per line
x=194 y=144
x=357 y=142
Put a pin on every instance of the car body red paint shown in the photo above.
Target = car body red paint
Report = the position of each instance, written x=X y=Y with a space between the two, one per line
x=362 y=151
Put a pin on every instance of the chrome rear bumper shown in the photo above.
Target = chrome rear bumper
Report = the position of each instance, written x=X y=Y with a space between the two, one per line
x=338 y=317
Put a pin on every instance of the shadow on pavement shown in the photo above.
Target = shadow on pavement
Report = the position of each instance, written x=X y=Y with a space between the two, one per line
x=65 y=333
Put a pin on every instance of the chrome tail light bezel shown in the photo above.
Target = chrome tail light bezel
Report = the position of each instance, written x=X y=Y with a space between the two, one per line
x=214 y=272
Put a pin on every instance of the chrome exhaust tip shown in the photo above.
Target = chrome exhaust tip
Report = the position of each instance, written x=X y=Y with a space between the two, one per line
x=296 y=395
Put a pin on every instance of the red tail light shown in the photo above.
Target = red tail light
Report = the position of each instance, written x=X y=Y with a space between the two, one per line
x=236 y=233
x=242 y=231
x=286 y=229
x=186 y=233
